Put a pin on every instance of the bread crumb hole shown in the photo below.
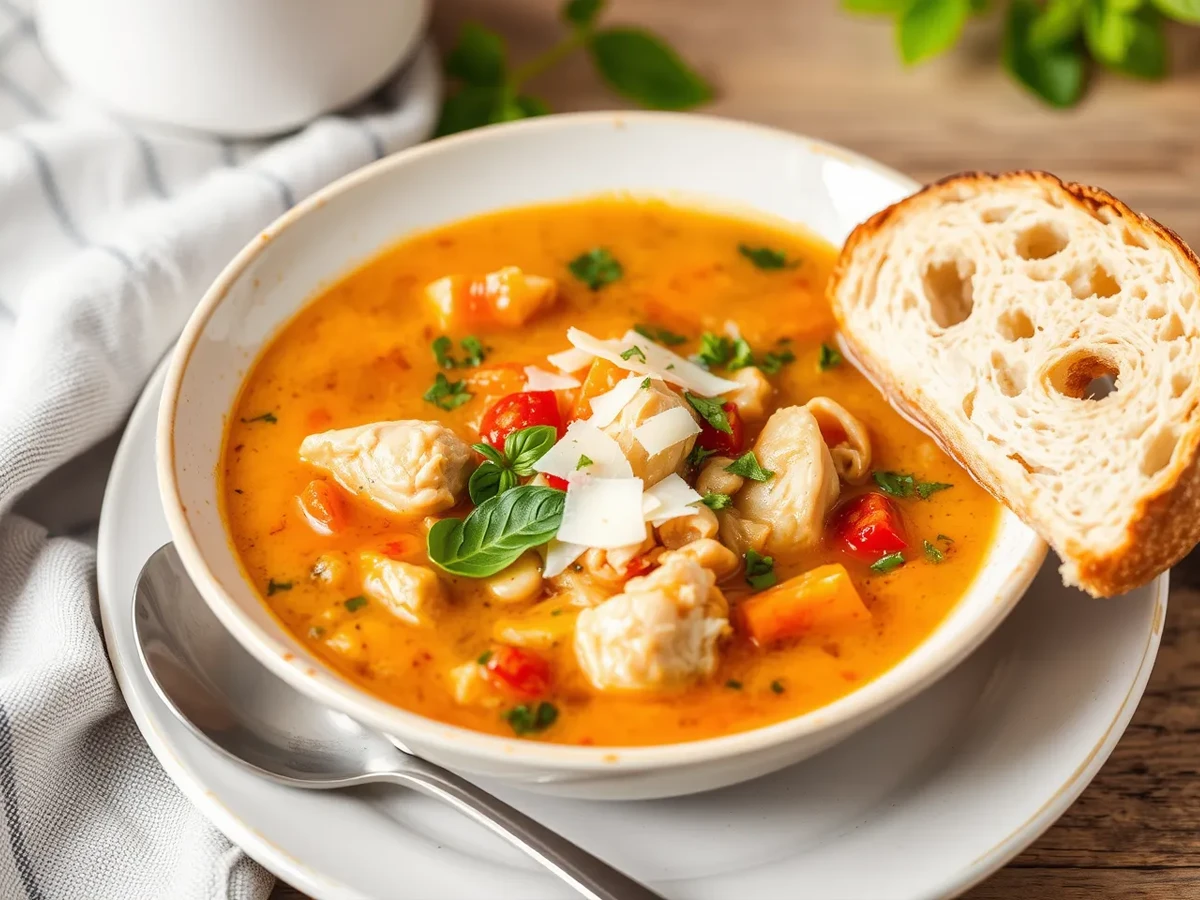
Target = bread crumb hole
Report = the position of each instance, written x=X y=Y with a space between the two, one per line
x=1132 y=240
x=950 y=291
x=1175 y=349
x=996 y=215
x=1159 y=450
x=1084 y=376
x=1097 y=282
x=1173 y=328
x=1015 y=324
x=1011 y=382
x=968 y=404
x=1155 y=311
x=1179 y=383
x=1040 y=241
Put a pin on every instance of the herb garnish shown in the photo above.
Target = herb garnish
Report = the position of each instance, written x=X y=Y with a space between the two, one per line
x=501 y=468
x=900 y=484
x=747 y=466
x=660 y=335
x=356 y=603
x=760 y=570
x=742 y=356
x=925 y=488
x=774 y=360
x=645 y=385
x=777 y=686
x=946 y=538
x=634 y=352
x=829 y=358
x=933 y=554
x=715 y=350
x=484 y=657
x=733 y=684
x=497 y=531
x=471 y=345
x=711 y=411
x=596 y=268
x=584 y=462
x=699 y=455
x=885 y=564
x=765 y=258
x=267 y=417
x=446 y=394
x=716 y=501
x=274 y=587
x=526 y=719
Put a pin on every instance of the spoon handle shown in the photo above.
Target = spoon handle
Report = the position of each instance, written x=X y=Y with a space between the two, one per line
x=589 y=875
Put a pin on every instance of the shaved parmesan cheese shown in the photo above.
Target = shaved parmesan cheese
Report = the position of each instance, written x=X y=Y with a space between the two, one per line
x=669 y=499
x=652 y=359
x=603 y=512
x=540 y=380
x=665 y=430
x=559 y=555
x=585 y=439
x=607 y=406
x=570 y=360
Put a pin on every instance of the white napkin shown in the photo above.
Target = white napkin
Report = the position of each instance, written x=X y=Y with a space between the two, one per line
x=109 y=233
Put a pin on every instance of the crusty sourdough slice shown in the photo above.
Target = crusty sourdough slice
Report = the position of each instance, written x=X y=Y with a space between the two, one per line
x=991 y=308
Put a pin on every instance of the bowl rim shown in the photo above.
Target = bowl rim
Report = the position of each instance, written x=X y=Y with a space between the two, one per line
x=323 y=683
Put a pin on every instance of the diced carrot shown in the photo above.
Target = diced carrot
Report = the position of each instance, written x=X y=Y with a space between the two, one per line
x=601 y=377
x=823 y=599
x=323 y=506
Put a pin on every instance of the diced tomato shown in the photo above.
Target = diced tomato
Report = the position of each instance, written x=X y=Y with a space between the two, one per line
x=869 y=525
x=559 y=484
x=324 y=506
x=403 y=547
x=730 y=444
x=517 y=411
x=520 y=671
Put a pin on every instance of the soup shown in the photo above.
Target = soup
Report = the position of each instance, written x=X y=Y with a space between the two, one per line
x=593 y=473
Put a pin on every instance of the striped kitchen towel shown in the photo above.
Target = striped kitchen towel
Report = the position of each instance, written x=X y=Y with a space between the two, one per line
x=109 y=234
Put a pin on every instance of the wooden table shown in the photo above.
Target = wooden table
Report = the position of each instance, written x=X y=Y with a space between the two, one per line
x=804 y=66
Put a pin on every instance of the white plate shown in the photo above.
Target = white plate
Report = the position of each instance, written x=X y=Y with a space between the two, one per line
x=924 y=803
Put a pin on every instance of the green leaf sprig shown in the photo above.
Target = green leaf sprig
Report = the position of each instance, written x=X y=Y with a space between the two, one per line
x=497 y=531
x=635 y=63
x=1048 y=46
x=500 y=469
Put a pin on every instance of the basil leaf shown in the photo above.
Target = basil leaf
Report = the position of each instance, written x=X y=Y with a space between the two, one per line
x=487 y=451
x=933 y=554
x=489 y=480
x=765 y=258
x=1108 y=32
x=483 y=657
x=634 y=352
x=777 y=687
x=640 y=66
x=1058 y=22
x=1180 y=10
x=895 y=483
x=927 y=488
x=733 y=684
x=1055 y=74
x=760 y=570
x=747 y=466
x=930 y=27
x=716 y=501
x=743 y=356
x=468 y=107
x=581 y=12
x=885 y=564
x=532 y=106
x=710 y=410
x=1146 y=54
x=829 y=358
x=715 y=350
x=497 y=531
x=478 y=58
x=596 y=268
x=525 y=447
x=446 y=394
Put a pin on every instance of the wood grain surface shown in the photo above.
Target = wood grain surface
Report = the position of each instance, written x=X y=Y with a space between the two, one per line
x=805 y=66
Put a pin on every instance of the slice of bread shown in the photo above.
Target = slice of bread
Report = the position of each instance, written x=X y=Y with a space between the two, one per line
x=995 y=310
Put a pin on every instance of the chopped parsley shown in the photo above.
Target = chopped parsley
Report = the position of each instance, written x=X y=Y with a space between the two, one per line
x=774 y=360
x=471 y=345
x=355 y=603
x=733 y=684
x=584 y=462
x=760 y=570
x=716 y=501
x=741 y=355
x=899 y=484
x=446 y=394
x=766 y=258
x=596 y=268
x=829 y=358
x=645 y=386
x=747 y=466
x=660 y=335
x=711 y=411
x=777 y=687
x=526 y=719
x=556 y=612
x=268 y=417
x=933 y=554
x=634 y=352
x=274 y=587
x=699 y=455
x=885 y=564
x=484 y=657
x=441 y=348
x=715 y=350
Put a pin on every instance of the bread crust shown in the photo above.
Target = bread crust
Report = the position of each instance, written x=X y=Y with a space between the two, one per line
x=1166 y=526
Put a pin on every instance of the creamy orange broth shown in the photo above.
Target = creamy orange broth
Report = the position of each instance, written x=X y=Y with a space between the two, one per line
x=360 y=353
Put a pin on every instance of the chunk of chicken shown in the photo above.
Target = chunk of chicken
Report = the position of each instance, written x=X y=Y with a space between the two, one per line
x=674 y=533
x=804 y=488
x=647 y=403
x=411 y=467
x=662 y=632
x=751 y=399
x=411 y=593
x=847 y=439
x=508 y=297
x=713 y=479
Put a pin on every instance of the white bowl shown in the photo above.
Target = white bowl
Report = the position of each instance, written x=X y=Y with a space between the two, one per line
x=823 y=187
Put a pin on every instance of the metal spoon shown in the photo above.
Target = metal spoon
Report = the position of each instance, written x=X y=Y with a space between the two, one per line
x=230 y=700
